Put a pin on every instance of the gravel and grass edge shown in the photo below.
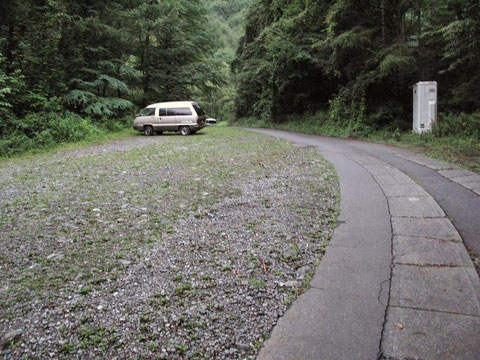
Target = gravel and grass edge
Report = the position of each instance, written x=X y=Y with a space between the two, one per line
x=166 y=247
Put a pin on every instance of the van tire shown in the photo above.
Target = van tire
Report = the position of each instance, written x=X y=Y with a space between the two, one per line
x=184 y=130
x=148 y=130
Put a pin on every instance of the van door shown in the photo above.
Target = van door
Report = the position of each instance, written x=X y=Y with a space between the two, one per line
x=161 y=119
x=147 y=116
x=168 y=121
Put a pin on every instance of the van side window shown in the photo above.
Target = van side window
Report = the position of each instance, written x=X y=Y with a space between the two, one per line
x=183 y=111
x=148 y=112
x=162 y=112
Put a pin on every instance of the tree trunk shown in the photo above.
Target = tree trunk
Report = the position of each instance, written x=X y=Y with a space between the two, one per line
x=9 y=49
x=145 y=70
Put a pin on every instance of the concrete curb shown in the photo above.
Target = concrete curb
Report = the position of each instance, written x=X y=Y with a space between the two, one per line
x=434 y=302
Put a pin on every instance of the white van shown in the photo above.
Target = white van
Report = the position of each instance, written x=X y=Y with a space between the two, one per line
x=185 y=117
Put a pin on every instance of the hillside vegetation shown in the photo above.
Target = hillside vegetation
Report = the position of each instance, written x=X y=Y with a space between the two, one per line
x=358 y=60
x=226 y=18
x=72 y=69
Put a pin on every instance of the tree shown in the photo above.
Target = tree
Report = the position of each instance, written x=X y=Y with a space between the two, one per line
x=461 y=55
x=278 y=67
x=10 y=87
x=359 y=57
x=174 y=50
x=95 y=37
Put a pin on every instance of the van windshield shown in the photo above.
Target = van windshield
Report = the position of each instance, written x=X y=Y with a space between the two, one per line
x=147 y=112
x=198 y=110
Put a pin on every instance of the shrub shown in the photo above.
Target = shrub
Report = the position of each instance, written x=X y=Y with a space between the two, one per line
x=15 y=143
x=464 y=125
x=47 y=129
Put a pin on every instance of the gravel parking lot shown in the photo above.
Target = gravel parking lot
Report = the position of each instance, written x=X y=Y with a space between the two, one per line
x=159 y=247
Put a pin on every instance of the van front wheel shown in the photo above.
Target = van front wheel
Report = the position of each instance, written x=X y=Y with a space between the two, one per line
x=148 y=131
x=184 y=130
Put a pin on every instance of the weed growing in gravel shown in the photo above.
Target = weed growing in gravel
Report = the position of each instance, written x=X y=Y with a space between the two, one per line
x=159 y=299
x=290 y=297
x=67 y=348
x=98 y=337
x=306 y=282
x=145 y=318
x=183 y=289
x=152 y=346
x=259 y=283
x=476 y=262
x=181 y=348
x=226 y=268
x=85 y=290
x=322 y=247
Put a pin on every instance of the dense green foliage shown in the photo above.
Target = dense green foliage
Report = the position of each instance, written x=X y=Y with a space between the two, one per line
x=226 y=18
x=104 y=59
x=44 y=131
x=359 y=59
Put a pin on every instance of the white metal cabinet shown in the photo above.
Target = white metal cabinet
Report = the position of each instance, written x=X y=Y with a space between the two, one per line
x=424 y=106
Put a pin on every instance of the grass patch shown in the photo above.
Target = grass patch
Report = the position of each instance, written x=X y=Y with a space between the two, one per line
x=96 y=337
x=476 y=262
x=462 y=149
x=183 y=289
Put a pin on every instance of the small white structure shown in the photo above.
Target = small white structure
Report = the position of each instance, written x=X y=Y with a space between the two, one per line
x=424 y=106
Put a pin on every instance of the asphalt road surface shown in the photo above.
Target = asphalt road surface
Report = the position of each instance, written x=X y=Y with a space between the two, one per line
x=396 y=281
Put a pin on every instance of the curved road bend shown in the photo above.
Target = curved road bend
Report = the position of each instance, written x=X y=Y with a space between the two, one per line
x=396 y=281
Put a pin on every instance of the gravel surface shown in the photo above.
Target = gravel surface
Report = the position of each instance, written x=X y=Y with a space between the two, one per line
x=161 y=247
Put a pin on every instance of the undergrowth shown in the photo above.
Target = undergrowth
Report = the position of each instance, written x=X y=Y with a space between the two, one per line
x=456 y=138
x=39 y=132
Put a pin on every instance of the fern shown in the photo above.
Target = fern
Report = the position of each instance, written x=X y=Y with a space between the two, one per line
x=83 y=85
x=130 y=72
x=395 y=63
x=79 y=98
x=107 y=106
x=91 y=104
x=113 y=83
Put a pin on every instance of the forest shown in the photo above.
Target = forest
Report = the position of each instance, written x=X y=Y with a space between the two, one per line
x=71 y=68
x=358 y=59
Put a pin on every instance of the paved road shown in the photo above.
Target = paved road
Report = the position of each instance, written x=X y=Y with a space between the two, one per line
x=396 y=281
